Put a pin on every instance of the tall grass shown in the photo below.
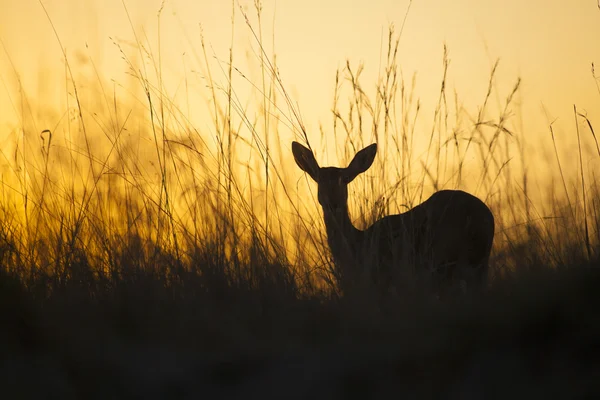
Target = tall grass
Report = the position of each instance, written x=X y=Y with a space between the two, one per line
x=125 y=224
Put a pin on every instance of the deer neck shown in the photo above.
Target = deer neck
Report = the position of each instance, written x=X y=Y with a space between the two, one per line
x=343 y=238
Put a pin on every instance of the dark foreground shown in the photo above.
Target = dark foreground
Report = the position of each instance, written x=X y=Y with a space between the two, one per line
x=532 y=337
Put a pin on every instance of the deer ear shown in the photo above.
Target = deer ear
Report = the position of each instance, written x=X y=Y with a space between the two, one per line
x=361 y=162
x=305 y=159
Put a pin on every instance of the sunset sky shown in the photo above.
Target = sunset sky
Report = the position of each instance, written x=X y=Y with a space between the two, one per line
x=550 y=44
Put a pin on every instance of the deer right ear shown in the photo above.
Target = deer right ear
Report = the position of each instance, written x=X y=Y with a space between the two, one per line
x=305 y=160
x=361 y=162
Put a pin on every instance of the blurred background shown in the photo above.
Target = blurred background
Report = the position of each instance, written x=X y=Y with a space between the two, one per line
x=162 y=99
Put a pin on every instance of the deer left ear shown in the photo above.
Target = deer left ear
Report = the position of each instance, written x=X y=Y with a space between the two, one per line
x=361 y=162
x=305 y=159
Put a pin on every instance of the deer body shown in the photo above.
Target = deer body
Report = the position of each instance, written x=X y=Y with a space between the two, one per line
x=451 y=231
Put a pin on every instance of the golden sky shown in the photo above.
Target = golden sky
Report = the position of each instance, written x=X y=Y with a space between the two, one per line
x=550 y=44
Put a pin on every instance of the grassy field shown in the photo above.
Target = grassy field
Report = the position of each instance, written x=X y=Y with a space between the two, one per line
x=144 y=257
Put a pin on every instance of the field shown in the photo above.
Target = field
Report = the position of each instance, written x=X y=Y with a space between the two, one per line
x=147 y=256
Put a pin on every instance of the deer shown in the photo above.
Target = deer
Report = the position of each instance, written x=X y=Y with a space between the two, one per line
x=447 y=238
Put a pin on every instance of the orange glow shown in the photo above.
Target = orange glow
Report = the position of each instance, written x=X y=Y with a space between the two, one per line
x=115 y=48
